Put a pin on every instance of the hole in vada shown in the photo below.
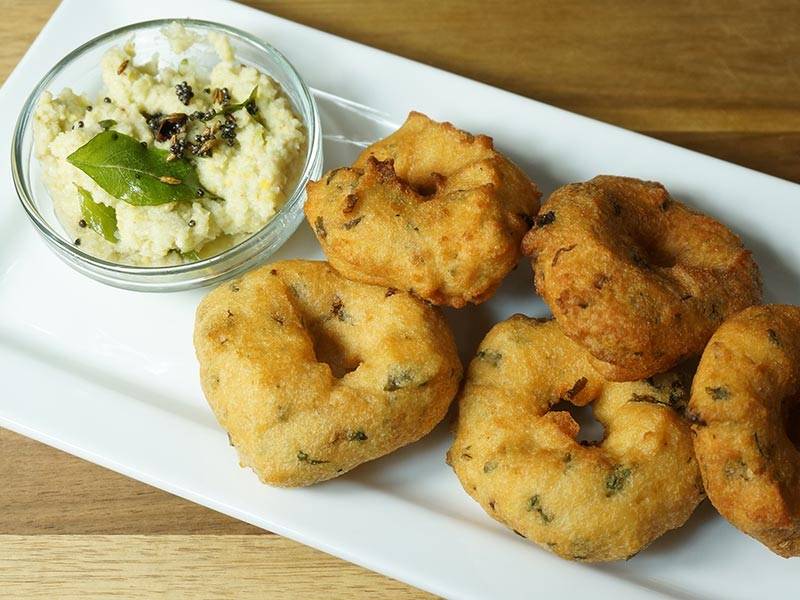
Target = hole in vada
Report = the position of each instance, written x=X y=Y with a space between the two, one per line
x=426 y=186
x=330 y=350
x=650 y=248
x=652 y=254
x=591 y=430
x=426 y=189
x=793 y=422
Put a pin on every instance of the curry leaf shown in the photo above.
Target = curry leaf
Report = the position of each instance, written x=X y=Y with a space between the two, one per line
x=617 y=479
x=139 y=175
x=100 y=218
x=249 y=104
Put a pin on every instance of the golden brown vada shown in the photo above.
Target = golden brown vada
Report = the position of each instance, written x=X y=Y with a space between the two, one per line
x=430 y=209
x=746 y=389
x=635 y=276
x=520 y=460
x=311 y=374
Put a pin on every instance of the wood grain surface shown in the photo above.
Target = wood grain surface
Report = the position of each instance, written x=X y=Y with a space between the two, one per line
x=721 y=77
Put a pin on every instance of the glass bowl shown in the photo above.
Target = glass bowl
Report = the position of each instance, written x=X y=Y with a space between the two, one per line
x=80 y=70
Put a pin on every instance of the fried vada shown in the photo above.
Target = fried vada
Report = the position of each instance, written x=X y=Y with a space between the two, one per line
x=635 y=276
x=521 y=461
x=745 y=406
x=430 y=209
x=311 y=374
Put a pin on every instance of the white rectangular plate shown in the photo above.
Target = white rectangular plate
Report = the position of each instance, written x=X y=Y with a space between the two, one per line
x=110 y=375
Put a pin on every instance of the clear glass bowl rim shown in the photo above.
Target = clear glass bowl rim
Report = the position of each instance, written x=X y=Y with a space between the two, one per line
x=26 y=197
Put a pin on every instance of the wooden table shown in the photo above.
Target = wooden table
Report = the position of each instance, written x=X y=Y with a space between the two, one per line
x=719 y=77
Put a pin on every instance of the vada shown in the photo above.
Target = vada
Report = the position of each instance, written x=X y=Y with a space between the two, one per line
x=635 y=276
x=311 y=374
x=744 y=404
x=521 y=461
x=430 y=209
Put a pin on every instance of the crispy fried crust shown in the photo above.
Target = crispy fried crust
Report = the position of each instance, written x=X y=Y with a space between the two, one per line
x=520 y=460
x=430 y=209
x=746 y=388
x=312 y=374
x=636 y=277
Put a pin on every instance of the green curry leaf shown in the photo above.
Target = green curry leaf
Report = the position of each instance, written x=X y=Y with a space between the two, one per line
x=249 y=101
x=139 y=175
x=250 y=106
x=100 y=218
